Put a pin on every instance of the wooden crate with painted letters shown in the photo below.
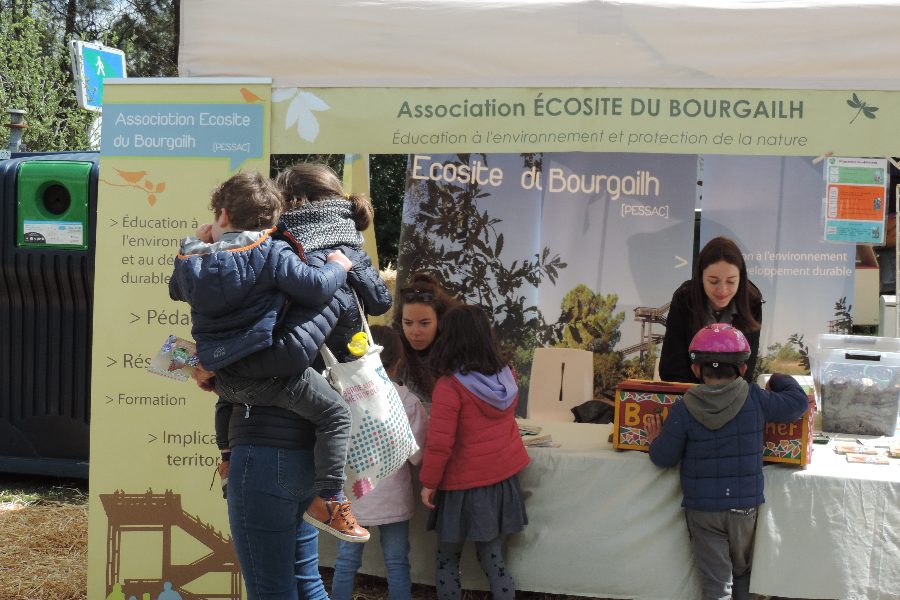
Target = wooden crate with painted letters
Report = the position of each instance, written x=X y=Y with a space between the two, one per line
x=637 y=401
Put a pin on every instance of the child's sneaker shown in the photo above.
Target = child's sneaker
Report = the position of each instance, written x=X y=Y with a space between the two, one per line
x=335 y=518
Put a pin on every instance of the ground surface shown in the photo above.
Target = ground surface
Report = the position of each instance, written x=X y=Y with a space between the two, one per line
x=43 y=546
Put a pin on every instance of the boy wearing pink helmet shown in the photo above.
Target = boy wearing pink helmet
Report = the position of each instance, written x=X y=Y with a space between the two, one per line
x=716 y=433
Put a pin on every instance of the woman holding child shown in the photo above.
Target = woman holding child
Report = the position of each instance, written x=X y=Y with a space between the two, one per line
x=718 y=292
x=272 y=488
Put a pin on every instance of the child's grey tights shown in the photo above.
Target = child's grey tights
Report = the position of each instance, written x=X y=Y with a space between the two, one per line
x=491 y=561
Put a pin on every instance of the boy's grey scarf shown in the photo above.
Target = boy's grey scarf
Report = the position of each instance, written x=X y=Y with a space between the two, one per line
x=324 y=224
x=715 y=405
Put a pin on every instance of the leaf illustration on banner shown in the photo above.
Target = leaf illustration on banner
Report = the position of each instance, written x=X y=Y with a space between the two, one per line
x=133 y=179
x=300 y=111
x=863 y=107
x=282 y=94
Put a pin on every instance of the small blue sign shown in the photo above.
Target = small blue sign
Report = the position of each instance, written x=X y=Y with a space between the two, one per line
x=92 y=63
x=861 y=232
x=232 y=131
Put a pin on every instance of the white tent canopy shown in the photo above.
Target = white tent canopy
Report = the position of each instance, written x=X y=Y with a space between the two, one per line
x=800 y=44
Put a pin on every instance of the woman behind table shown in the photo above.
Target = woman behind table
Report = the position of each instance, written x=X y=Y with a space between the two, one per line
x=474 y=452
x=390 y=505
x=418 y=310
x=718 y=292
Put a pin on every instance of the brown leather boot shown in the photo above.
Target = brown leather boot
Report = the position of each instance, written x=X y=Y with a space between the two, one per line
x=335 y=518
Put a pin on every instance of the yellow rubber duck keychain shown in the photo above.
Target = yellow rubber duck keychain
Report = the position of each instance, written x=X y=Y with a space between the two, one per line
x=359 y=344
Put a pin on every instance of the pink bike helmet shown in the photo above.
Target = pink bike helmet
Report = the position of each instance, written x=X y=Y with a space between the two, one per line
x=719 y=343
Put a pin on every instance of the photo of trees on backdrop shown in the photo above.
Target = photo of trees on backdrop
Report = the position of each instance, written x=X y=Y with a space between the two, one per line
x=584 y=250
x=551 y=265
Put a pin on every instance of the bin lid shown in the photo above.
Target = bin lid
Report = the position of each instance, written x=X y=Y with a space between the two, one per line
x=827 y=342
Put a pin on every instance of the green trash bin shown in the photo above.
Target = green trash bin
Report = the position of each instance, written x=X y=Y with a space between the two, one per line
x=53 y=205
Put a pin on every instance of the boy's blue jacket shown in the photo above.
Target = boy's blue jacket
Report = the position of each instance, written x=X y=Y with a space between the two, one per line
x=239 y=287
x=304 y=330
x=721 y=467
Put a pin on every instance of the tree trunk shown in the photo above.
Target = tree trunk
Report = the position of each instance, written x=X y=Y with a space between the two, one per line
x=176 y=9
x=71 y=13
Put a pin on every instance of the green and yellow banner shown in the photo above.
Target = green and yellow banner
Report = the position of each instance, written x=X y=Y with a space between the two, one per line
x=156 y=526
x=680 y=121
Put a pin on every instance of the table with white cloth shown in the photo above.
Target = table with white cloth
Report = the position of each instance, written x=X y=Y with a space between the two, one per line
x=610 y=524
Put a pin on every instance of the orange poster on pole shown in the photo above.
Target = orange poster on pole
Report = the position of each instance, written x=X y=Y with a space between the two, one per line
x=855 y=202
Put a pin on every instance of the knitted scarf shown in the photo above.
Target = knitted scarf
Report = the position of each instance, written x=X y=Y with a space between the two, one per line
x=324 y=224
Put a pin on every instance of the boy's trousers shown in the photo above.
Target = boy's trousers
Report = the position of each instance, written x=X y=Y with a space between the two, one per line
x=310 y=396
x=723 y=547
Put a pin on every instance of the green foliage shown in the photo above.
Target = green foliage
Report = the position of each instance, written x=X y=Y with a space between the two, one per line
x=803 y=351
x=764 y=365
x=784 y=353
x=387 y=183
x=784 y=358
x=842 y=312
x=36 y=490
x=589 y=321
x=280 y=162
x=147 y=31
x=608 y=373
x=641 y=369
x=82 y=19
x=34 y=77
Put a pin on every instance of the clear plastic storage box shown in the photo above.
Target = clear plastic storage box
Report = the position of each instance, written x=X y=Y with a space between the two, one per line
x=857 y=383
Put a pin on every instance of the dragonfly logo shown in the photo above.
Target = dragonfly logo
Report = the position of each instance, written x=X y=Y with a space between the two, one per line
x=864 y=108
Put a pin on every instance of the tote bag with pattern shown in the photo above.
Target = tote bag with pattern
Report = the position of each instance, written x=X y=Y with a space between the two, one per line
x=380 y=439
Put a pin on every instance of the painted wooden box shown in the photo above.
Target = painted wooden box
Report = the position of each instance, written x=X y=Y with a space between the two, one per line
x=637 y=400
x=791 y=442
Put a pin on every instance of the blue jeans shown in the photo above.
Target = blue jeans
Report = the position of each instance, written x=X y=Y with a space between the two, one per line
x=394 y=544
x=310 y=396
x=269 y=489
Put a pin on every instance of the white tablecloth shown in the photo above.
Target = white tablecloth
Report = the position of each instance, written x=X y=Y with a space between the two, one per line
x=830 y=531
x=610 y=524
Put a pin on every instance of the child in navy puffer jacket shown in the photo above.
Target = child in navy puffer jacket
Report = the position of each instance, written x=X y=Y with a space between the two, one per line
x=716 y=433
x=239 y=283
x=323 y=219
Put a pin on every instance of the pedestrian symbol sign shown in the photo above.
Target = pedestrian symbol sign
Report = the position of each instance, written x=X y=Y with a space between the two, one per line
x=91 y=64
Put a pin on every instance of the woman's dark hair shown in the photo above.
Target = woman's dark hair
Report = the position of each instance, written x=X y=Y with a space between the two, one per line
x=441 y=302
x=389 y=340
x=467 y=343
x=308 y=182
x=717 y=250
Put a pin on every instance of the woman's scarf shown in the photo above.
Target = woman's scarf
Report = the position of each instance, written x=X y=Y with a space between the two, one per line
x=323 y=224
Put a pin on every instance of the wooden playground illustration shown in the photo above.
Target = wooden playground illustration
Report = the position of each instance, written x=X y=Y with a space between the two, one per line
x=151 y=512
x=648 y=316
